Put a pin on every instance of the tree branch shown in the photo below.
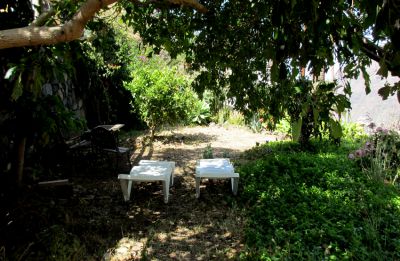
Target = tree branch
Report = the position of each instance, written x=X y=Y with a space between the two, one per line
x=42 y=18
x=191 y=3
x=44 y=35
x=376 y=53
x=140 y=3
x=71 y=30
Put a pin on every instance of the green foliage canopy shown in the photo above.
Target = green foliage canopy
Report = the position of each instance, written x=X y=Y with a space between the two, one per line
x=257 y=47
x=92 y=70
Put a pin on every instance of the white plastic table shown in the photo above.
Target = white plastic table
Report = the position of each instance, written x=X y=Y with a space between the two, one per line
x=148 y=171
x=216 y=169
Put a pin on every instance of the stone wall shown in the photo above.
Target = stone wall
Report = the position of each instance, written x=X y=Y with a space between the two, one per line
x=66 y=92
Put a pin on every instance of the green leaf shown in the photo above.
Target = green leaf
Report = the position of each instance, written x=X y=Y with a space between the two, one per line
x=384 y=92
x=347 y=88
x=10 y=73
x=342 y=103
x=296 y=129
x=17 y=90
x=383 y=70
x=336 y=129
x=367 y=80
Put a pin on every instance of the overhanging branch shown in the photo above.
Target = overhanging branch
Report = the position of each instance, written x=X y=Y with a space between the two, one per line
x=43 y=35
x=191 y=3
x=376 y=53
x=42 y=19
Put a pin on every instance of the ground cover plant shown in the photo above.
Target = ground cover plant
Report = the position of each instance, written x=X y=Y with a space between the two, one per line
x=316 y=205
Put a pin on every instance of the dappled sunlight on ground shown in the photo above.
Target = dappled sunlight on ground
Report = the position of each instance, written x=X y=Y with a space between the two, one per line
x=209 y=228
x=207 y=231
x=94 y=215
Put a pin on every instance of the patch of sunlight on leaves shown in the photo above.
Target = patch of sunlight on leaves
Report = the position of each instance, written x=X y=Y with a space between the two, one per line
x=182 y=233
x=329 y=155
x=126 y=249
x=396 y=201
x=316 y=190
x=162 y=237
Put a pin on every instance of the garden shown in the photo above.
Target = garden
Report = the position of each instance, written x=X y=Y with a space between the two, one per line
x=187 y=80
x=322 y=205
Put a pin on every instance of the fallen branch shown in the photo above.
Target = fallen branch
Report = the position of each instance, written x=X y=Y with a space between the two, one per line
x=52 y=183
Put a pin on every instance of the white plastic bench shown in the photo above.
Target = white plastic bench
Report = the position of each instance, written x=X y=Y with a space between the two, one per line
x=170 y=164
x=216 y=169
x=149 y=170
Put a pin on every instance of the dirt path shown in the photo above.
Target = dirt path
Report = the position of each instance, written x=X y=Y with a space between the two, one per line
x=209 y=228
x=186 y=145
x=89 y=220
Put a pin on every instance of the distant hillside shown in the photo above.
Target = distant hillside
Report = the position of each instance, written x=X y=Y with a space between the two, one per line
x=371 y=107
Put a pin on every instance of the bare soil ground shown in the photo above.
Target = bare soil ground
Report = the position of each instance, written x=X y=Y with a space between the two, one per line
x=92 y=222
x=209 y=228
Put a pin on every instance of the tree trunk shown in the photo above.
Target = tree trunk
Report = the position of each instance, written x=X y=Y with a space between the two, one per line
x=152 y=133
x=20 y=159
x=306 y=130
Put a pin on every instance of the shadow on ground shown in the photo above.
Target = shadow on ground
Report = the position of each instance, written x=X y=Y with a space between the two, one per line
x=90 y=220
x=186 y=228
x=194 y=138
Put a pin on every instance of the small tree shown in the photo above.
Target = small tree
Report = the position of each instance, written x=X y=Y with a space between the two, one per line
x=314 y=108
x=161 y=95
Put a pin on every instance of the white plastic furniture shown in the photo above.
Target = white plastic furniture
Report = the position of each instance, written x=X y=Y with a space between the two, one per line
x=170 y=164
x=216 y=169
x=149 y=170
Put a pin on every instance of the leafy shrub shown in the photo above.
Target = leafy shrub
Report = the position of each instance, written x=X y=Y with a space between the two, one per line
x=262 y=121
x=316 y=206
x=283 y=126
x=313 y=110
x=222 y=115
x=230 y=116
x=161 y=95
x=201 y=113
x=255 y=123
x=264 y=150
x=380 y=155
x=236 y=118
x=353 y=131
x=208 y=152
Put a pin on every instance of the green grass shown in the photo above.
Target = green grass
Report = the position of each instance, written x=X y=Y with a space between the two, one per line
x=316 y=206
